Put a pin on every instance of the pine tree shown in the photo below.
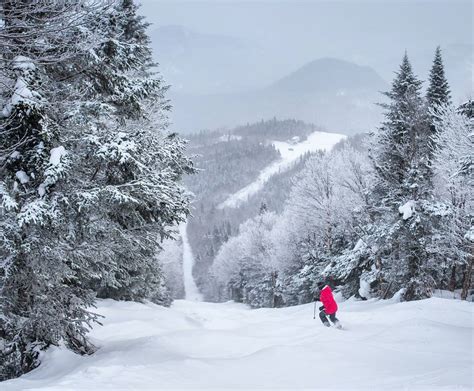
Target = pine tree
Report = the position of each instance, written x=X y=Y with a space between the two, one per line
x=467 y=108
x=41 y=302
x=132 y=198
x=438 y=93
x=91 y=179
x=403 y=134
x=401 y=160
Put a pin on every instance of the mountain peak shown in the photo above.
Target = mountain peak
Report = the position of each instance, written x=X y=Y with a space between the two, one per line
x=330 y=75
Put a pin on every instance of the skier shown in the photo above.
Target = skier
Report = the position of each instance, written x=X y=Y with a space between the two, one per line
x=329 y=306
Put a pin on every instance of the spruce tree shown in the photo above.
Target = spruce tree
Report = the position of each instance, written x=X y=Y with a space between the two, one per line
x=402 y=135
x=41 y=301
x=133 y=198
x=467 y=108
x=438 y=93
x=90 y=183
x=400 y=156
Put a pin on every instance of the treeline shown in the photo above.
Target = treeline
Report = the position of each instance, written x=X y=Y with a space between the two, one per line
x=394 y=218
x=278 y=130
x=89 y=179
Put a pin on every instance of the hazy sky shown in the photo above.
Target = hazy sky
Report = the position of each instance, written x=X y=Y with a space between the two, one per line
x=287 y=34
x=362 y=31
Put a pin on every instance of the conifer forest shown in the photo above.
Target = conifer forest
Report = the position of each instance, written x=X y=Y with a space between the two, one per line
x=190 y=191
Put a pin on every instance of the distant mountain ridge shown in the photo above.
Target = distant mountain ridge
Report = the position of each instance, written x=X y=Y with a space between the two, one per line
x=329 y=75
x=335 y=94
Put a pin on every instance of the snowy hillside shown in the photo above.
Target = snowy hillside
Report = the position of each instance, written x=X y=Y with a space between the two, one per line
x=290 y=153
x=416 y=345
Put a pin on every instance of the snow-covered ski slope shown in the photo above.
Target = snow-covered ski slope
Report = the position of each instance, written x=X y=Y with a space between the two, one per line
x=422 y=345
x=190 y=288
x=290 y=153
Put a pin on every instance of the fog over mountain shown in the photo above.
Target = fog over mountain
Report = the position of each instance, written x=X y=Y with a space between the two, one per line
x=195 y=62
x=218 y=54
x=335 y=94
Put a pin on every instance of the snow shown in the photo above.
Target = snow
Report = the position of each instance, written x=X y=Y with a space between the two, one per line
x=290 y=153
x=21 y=93
x=407 y=209
x=359 y=245
x=42 y=190
x=229 y=137
x=56 y=154
x=22 y=177
x=421 y=345
x=24 y=63
x=364 y=288
x=445 y=294
x=15 y=155
x=470 y=234
x=21 y=90
x=190 y=288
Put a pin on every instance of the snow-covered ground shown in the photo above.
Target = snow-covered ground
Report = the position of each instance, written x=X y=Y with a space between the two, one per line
x=290 y=153
x=191 y=290
x=424 y=345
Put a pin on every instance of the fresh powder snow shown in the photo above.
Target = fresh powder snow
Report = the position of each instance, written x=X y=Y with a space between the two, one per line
x=419 y=345
x=290 y=153
x=56 y=155
x=22 y=177
x=407 y=209
x=21 y=91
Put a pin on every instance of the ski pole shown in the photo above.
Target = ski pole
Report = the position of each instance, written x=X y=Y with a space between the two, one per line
x=314 y=314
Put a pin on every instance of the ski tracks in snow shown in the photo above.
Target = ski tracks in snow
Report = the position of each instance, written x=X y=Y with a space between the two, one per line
x=196 y=345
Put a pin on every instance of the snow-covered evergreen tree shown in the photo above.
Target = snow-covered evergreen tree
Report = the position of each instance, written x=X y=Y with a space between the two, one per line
x=401 y=157
x=467 y=108
x=438 y=93
x=90 y=183
x=41 y=301
x=131 y=198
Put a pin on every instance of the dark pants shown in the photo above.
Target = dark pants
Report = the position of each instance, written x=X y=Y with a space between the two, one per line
x=323 y=316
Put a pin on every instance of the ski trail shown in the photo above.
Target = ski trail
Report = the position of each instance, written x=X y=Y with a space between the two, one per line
x=417 y=345
x=290 y=153
x=191 y=290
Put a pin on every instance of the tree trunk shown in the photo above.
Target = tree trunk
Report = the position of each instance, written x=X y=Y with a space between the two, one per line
x=452 y=280
x=384 y=296
x=274 y=277
x=466 y=285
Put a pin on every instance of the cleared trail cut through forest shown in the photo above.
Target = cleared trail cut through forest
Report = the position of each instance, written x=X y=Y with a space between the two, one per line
x=191 y=290
x=290 y=153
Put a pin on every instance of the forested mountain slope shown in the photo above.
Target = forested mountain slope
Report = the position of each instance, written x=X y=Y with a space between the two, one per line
x=231 y=160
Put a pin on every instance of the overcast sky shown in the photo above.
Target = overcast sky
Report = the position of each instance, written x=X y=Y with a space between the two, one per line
x=356 y=29
x=280 y=36
x=374 y=33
